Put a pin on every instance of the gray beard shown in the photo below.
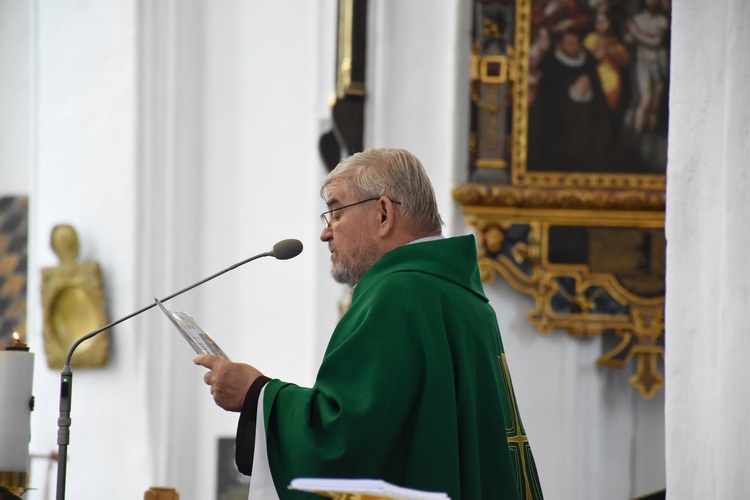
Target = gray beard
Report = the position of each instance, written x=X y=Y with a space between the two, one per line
x=350 y=273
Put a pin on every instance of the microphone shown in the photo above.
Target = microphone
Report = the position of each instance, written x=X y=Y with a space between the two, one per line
x=283 y=250
x=286 y=249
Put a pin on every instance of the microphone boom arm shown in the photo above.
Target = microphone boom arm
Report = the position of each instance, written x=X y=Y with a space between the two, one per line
x=139 y=311
x=285 y=249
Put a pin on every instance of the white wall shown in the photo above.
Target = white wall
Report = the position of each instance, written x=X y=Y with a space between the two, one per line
x=180 y=137
x=84 y=175
x=15 y=96
x=708 y=404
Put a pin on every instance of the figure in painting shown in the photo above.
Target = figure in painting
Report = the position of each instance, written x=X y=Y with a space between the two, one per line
x=648 y=31
x=570 y=126
x=549 y=17
x=628 y=42
x=611 y=54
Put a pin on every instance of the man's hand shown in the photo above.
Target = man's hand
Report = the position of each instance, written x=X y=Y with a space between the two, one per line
x=581 y=88
x=229 y=381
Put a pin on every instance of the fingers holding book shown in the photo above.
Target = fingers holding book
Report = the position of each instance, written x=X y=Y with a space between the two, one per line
x=229 y=381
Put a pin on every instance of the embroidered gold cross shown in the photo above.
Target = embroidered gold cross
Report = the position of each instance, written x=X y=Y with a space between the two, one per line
x=517 y=440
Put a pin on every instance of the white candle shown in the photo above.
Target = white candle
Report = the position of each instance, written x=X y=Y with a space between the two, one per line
x=16 y=378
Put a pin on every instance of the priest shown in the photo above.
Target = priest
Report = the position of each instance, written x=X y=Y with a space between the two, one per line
x=414 y=387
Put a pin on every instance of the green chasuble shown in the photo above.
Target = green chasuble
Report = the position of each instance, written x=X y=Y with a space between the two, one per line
x=413 y=388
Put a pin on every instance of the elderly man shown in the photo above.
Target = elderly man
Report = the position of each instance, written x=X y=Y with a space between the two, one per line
x=413 y=388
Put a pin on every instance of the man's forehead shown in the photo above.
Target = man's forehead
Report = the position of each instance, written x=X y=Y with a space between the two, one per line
x=336 y=192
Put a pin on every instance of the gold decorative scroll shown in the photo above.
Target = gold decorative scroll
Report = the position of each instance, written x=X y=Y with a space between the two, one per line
x=524 y=263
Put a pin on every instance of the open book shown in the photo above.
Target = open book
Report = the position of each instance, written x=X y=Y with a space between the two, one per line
x=370 y=488
x=193 y=334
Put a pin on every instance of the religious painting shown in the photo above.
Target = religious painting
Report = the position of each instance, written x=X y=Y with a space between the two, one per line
x=586 y=92
x=597 y=86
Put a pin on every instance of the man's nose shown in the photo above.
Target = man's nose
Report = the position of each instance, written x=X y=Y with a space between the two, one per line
x=326 y=234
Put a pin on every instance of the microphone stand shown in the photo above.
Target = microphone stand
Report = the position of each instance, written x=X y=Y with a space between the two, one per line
x=66 y=376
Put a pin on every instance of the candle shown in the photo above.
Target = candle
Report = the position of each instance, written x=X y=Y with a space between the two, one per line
x=17 y=345
x=16 y=379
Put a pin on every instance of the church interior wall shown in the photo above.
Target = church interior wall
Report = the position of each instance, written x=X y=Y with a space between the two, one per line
x=181 y=138
x=707 y=404
x=14 y=99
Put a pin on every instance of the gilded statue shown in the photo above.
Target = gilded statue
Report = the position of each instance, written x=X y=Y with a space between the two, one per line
x=73 y=305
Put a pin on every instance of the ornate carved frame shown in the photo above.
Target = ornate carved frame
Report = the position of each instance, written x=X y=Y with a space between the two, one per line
x=516 y=211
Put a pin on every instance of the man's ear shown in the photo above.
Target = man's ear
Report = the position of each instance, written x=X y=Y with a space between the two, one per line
x=386 y=214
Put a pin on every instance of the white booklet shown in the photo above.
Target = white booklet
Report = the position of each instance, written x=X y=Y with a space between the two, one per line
x=194 y=334
x=370 y=487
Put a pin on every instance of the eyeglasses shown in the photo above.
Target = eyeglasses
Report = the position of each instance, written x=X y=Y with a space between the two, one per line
x=324 y=215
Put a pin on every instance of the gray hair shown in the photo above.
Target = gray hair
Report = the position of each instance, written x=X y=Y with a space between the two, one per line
x=397 y=174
